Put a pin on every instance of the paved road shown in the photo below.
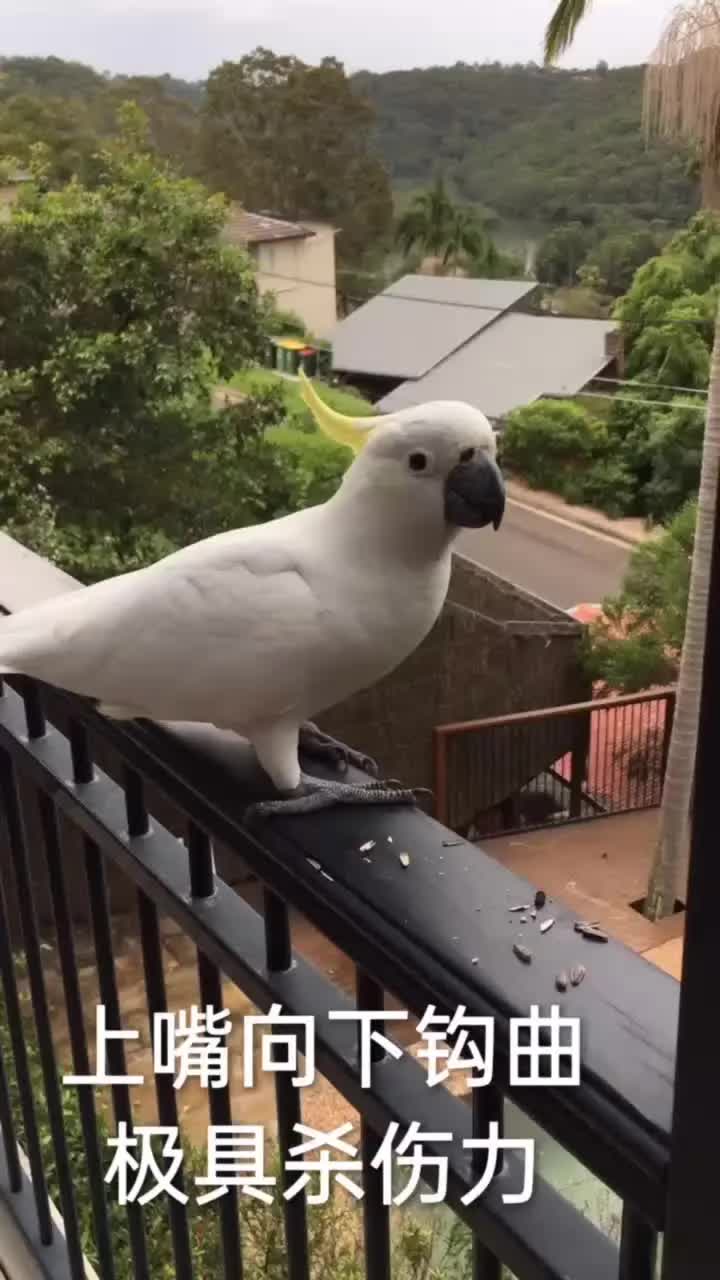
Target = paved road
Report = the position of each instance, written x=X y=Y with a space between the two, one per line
x=557 y=561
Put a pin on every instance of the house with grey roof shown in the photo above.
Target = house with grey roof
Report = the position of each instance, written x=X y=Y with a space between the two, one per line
x=435 y=338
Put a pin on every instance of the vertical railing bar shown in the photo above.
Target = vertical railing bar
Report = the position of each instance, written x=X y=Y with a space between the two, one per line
x=638 y=1247
x=46 y=1048
x=7 y=1125
x=651 y=739
x=34 y=714
x=376 y=1214
x=78 y=1036
x=138 y=827
x=99 y=908
x=278 y=950
x=200 y=862
x=164 y=1088
x=487 y=1106
x=135 y=807
x=202 y=886
x=19 y=1048
x=83 y=771
x=612 y=729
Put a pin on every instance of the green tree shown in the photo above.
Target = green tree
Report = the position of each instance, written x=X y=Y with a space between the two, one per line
x=687 y=54
x=638 y=641
x=454 y=235
x=120 y=308
x=297 y=141
x=617 y=257
x=669 y=311
x=64 y=127
x=561 y=254
x=428 y=222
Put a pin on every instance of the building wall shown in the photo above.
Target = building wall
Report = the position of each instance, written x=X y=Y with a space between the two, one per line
x=301 y=273
x=494 y=650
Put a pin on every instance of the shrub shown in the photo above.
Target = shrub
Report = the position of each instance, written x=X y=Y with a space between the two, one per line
x=551 y=444
x=675 y=443
x=608 y=485
x=637 y=644
x=319 y=464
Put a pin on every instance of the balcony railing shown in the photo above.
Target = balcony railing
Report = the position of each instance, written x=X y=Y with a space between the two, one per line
x=557 y=765
x=85 y=799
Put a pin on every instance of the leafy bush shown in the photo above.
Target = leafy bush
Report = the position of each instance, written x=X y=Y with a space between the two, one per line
x=551 y=443
x=637 y=644
x=608 y=485
x=318 y=463
x=674 y=447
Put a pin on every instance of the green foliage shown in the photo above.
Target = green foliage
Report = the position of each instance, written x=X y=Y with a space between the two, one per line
x=552 y=444
x=296 y=413
x=318 y=463
x=638 y=644
x=674 y=456
x=457 y=236
x=563 y=145
x=120 y=309
x=639 y=459
x=558 y=146
x=668 y=314
x=617 y=256
x=70 y=110
x=562 y=253
x=280 y=135
x=644 y=460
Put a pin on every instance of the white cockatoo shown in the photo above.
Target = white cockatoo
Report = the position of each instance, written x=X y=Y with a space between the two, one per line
x=260 y=629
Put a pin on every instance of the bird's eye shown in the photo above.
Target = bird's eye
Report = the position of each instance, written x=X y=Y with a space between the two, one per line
x=417 y=461
x=467 y=455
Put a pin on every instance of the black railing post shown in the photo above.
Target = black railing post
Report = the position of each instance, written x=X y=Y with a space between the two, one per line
x=690 y=1245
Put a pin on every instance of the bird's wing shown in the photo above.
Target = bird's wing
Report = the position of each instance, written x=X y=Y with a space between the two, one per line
x=215 y=632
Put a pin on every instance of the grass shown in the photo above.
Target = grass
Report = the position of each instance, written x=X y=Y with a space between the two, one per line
x=345 y=401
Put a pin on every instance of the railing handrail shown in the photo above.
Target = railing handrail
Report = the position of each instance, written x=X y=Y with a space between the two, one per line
x=552 y=713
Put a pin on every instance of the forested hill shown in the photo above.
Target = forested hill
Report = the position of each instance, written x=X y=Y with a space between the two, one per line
x=529 y=142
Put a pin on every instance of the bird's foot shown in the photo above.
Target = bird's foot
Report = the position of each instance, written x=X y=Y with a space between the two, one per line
x=314 y=794
x=315 y=743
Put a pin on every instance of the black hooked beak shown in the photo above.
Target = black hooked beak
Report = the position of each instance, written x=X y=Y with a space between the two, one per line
x=475 y=495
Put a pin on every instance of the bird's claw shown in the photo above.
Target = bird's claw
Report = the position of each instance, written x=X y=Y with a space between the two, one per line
x=316 y=794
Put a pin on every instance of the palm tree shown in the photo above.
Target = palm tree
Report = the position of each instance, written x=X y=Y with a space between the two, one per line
x=426 y=224
x=466 y=238
x=443 y=230
x=681 y=101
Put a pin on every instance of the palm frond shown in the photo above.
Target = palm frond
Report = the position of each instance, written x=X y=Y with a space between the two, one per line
x=562 y=27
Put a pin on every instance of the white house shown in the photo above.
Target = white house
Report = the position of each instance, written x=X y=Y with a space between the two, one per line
x=295 y=261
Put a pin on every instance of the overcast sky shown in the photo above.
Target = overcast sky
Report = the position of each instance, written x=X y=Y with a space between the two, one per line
x=187 y=38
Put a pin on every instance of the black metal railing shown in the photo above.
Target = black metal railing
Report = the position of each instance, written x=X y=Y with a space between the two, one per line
x=556 y=765
x=86 y=799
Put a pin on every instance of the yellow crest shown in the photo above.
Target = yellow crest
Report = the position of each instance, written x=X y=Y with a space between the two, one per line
x=352 y=432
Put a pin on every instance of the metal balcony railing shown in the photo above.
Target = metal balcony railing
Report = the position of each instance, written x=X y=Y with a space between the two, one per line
x=554 y=765
x=415 y=931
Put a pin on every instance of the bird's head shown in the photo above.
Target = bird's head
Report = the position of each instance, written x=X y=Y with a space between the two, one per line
x=439 y=458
